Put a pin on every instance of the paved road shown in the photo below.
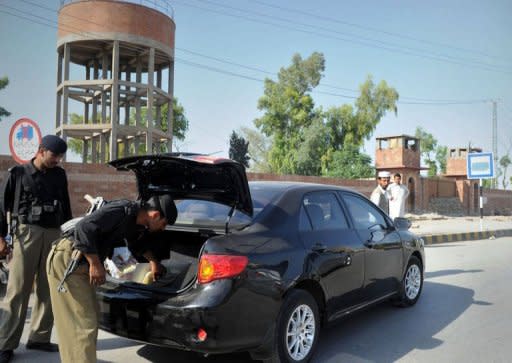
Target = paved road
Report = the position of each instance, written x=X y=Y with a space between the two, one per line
x=463 y=316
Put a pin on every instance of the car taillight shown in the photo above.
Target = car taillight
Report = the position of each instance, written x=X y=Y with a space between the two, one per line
x=215 y=267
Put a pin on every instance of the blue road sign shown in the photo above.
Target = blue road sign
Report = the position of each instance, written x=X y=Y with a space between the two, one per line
x=480 y=166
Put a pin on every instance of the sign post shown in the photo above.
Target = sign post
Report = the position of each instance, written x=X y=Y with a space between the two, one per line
x=24 y=140
x=480 y=166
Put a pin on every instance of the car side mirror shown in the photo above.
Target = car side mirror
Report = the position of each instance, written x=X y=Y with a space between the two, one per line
x=402 y=223
x=375 y=236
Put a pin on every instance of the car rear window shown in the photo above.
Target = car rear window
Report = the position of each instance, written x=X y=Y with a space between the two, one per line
x=192 y=211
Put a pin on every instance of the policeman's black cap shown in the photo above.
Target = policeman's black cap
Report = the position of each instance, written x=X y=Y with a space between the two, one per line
x=54 y=143
x=165 y=205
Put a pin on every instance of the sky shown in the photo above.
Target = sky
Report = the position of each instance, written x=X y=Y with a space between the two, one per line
x=447 y=60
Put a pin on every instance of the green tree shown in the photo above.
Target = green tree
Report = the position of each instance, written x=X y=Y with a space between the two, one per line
x=180 y=121
x=353 y=125
x=350 y=163
x=304 y=138
x=3 y=83
x=431 y=152
x=238 y=149
x=315 y=144
x=504 y=164
x=289 y=109
x=259 y=146
x=441 y=154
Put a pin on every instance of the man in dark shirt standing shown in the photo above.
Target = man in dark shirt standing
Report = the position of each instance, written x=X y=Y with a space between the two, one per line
x=36 y=196
x=118 y=223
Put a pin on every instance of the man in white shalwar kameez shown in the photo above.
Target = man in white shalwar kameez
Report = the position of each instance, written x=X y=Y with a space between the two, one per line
x=380 y=196
x=398 y=194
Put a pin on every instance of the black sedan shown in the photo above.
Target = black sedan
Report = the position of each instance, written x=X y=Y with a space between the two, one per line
x=258 y=266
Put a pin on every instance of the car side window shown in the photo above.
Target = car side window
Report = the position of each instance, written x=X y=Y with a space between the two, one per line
x=324 y=211
x=364 y=214
x=304 y=224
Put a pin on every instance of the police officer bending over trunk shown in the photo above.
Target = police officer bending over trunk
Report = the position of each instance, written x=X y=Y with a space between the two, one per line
x=118 y=223
x=36 y=195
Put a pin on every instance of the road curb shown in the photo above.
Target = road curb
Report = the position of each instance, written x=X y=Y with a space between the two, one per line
x=466 y=236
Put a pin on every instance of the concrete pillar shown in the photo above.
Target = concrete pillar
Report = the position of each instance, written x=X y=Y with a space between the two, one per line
x=58 y=105
x=85 y=151
x=65 y=91
x=127 y=103
x=86 y=104
x=138 y=79
x=95 y=75
x=104 y=74
x=126 y=151
x=114 y=101
x=158 y=121
x=103 y=147
x=94 y=150
x=170 y=113
x=149 y=113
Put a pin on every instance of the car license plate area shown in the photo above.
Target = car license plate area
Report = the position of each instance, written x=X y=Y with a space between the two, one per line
x=131 y=319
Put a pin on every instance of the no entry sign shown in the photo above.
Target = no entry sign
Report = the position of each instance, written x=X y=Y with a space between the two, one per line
x=24 y=139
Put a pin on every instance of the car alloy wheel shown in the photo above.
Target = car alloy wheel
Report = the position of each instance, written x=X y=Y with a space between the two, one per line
x=297 y=329
x=300 y=332
x=412 y=282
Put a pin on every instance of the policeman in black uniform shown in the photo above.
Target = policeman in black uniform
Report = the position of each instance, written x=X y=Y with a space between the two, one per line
x=118 y=223
x=36 y=196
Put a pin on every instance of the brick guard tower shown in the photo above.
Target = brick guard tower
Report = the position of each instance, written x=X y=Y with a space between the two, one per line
x=401 y=154
x=456 y=168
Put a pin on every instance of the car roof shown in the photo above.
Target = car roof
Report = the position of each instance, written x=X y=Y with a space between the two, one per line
x=297 y=186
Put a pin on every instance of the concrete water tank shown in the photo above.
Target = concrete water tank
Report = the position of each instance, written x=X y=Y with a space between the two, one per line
x=114 y=60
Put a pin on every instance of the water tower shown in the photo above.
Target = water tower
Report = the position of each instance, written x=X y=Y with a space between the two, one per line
x=113 y=59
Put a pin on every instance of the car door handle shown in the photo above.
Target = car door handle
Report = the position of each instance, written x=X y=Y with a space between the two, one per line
x=318 y=247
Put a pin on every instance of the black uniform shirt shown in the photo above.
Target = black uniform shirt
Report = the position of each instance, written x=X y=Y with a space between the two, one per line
x=51 y=184
x=113 y=225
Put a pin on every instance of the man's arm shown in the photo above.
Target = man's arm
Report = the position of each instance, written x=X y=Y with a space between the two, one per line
x=6 y=203
x=157 y=269
x=375 y=197
x=97 y=273
x=406 y=191
x=66 y=204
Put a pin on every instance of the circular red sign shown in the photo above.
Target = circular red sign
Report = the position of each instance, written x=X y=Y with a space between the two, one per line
x=24 y=140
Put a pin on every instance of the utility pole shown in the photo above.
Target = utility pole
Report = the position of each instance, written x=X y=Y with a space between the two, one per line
x=495 y=140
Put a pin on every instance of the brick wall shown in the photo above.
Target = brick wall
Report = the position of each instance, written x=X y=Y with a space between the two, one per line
x=499 y=202
x=98 y=179
x=93 y=179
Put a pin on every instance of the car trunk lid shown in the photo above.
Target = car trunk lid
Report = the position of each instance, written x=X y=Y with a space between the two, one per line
x=191 y=176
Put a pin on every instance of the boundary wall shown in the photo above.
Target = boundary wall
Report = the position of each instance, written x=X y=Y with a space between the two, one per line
x=100 y=179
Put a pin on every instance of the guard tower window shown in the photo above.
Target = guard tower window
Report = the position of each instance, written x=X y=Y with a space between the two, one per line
x=411 y=144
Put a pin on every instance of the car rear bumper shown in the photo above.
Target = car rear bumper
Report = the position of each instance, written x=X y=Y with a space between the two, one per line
x=234 y=319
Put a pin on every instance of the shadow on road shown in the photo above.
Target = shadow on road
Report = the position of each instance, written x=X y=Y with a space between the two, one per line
x=115 y=343
x=445 y=245
x=381 y=334
x=386 y=334
x=429 y=275
x=161 y=355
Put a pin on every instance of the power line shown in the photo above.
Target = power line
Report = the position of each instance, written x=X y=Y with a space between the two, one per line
x=357 y=36
x=366 y=43
x=239 y=75
x=363 y=27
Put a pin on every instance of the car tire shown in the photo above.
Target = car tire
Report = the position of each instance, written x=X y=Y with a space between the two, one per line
x=297 y=329
x=412 y=283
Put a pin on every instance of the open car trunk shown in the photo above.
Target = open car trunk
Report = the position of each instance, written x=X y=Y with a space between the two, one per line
x=178 y=252
x=216 y=186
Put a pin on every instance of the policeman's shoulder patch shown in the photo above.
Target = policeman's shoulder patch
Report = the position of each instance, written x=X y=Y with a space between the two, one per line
x=15 y=168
